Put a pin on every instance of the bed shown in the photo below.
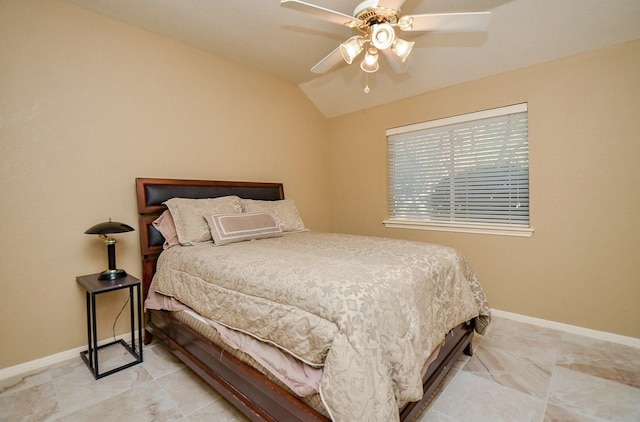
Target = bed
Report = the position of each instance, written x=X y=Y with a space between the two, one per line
x=371 y=358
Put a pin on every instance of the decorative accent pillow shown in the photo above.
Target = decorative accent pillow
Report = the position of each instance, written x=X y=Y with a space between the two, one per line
x=230 y=228
x=189 y=216
x=284 y=211
x=167 y=228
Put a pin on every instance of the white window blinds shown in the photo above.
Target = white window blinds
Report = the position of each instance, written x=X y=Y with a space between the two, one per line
x=466 y=169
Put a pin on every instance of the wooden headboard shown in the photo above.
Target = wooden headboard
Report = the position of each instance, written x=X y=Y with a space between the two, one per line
x=151 y=193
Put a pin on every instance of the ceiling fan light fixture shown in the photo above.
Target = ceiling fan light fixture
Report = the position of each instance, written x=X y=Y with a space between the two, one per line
x=370 y=62
x=405 y=23
x=351 y=48
x=402 y=49
x=382 y=36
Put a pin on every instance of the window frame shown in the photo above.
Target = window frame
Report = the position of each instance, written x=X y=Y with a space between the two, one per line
x=452 y=226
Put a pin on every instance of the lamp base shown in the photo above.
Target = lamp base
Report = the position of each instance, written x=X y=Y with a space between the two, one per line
x=112 y=274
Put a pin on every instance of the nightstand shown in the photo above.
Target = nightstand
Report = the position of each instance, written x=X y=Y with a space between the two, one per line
x=93 y=287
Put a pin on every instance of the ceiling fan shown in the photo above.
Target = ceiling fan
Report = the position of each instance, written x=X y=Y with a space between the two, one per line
x=376 y=22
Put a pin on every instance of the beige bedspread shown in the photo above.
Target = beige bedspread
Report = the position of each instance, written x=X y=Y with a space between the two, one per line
x=370 y=310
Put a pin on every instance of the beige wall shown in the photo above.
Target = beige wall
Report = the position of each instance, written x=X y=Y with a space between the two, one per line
x=581 y=266
x=88 y=104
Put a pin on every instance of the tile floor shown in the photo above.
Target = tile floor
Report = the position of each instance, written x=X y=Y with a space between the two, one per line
x=519 y=372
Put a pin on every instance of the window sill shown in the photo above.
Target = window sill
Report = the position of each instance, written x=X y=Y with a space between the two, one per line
x=493 y=229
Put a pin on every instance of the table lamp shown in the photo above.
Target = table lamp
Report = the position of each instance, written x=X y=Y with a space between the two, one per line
x=105 y=230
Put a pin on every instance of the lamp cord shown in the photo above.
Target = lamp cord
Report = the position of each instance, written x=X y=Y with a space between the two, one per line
x=118 y=316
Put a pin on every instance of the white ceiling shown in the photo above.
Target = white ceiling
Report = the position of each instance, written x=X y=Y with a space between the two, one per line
x=287 y=43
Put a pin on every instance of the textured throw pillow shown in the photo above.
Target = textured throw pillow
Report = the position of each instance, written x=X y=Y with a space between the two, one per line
x=189 y=216
x=167 y=228
x=284 y=211
x=230 y=228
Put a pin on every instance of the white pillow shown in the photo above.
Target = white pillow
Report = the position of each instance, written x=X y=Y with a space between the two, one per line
x=189 y=216
x=284 y=211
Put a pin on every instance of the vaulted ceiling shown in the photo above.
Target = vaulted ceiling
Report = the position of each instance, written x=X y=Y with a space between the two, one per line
x=287 y=43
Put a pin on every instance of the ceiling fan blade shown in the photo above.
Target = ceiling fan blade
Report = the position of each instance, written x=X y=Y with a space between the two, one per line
x=321 y=12
x=453 y=22
x=391 y=4
x=330 y=61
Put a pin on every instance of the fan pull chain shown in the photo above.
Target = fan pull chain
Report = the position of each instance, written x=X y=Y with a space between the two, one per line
x=366 y=83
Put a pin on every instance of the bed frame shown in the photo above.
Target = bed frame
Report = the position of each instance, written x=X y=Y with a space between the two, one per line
x=248 y=390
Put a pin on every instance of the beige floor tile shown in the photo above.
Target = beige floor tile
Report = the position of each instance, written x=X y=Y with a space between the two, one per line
x=594 y=397
x=611 y=361
x=513 y=371
x=146 y=402
x=36 y=403
x=188 y=390
x=471 y=396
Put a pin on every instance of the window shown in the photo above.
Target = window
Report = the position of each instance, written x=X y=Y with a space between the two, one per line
x=466 y=173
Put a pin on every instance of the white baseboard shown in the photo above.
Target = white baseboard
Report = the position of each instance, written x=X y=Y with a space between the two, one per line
x=37 y=364
x=587 y=332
